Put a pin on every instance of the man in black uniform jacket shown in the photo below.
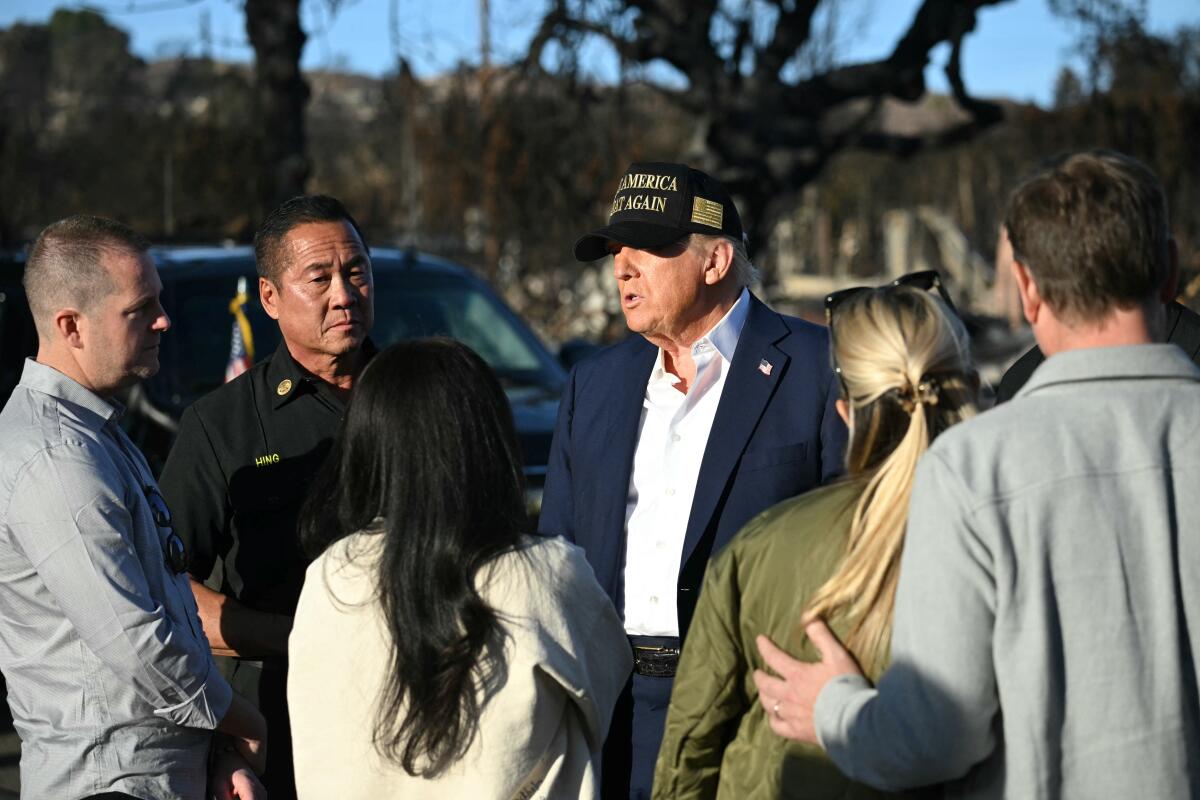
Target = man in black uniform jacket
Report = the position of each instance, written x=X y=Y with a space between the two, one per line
x=245 y=454
x=1183 y=329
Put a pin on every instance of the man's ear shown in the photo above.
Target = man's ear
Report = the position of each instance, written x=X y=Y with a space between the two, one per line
x=719 y=263
x=268 y=295
x=1170 y=287
x=68 y=326
x=1031 y=298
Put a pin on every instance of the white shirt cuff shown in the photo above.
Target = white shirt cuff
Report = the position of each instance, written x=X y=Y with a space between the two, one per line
x=206 y=708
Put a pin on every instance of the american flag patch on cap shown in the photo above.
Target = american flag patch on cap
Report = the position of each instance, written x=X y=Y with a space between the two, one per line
x=706 y=212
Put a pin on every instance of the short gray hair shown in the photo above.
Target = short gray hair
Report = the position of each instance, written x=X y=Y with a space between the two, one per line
x=64 y=266
x=744 y=272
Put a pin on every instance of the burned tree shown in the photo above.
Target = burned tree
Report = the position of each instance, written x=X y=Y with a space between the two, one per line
x=770 y=113
x=281 y=94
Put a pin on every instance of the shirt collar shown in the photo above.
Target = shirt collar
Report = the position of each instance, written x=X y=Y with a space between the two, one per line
x=284 y=376
x=1112 y=363
x=723 y=337
x=287 y=379
x=725 y=334
x=659 y=373
x=47 y=380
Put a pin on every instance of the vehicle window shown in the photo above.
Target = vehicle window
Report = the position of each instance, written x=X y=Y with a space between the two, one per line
x=409 y=303
x=438 y=306
x=197 y=347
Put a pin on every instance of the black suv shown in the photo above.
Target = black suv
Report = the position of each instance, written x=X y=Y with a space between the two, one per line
x=416 y=295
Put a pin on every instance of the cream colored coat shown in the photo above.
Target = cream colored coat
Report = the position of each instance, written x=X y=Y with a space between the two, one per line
x=540 y=734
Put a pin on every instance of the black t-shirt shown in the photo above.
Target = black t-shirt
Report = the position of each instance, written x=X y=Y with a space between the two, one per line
x=1183 y=327
x=238 y=474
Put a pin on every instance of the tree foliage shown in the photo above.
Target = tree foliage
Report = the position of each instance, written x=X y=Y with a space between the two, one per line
x=85 y=126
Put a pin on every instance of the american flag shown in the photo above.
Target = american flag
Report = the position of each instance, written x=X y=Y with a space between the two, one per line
x=241 y=344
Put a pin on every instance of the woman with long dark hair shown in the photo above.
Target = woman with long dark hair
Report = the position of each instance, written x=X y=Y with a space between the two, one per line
x=833 y=554
x=437 y=650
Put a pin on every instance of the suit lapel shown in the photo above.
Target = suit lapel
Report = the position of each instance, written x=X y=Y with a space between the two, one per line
x=617 y=430
x=744 y=398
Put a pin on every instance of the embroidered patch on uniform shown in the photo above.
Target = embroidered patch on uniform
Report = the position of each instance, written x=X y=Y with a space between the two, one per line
x=706 y=212
x=764 y=367
x=284 y=387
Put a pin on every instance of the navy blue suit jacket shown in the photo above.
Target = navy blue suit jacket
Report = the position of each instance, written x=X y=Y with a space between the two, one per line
x=773 y=437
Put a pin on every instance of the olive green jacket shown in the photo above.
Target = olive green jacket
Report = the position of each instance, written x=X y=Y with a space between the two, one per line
x=718 y=742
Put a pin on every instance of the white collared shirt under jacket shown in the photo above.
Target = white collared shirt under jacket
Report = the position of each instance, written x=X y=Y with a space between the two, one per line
x=672 y=438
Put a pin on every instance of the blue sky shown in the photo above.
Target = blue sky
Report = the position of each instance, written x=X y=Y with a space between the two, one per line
x=1016 y=50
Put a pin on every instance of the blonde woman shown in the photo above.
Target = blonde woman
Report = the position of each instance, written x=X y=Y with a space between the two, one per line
x=833 y=553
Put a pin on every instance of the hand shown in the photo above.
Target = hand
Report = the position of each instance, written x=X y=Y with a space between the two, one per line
x=790 y=698
x=253 y=752
x=247 y=731
x=237 y=630
x=231 y=778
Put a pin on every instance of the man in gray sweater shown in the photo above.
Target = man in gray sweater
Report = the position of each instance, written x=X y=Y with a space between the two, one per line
x=1047 y=617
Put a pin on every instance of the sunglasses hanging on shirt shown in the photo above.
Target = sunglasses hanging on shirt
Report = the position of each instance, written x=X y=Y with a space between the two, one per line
x=175 y=552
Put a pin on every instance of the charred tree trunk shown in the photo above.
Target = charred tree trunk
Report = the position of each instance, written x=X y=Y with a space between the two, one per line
x=281 y=94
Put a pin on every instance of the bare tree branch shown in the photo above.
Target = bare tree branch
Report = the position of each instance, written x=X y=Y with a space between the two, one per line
x=743 y=37
x=764 y=134
x=982 y=113
x=791 y=32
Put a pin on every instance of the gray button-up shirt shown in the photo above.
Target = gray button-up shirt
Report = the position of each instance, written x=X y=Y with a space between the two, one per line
x=110 y=678
x=1047 y=618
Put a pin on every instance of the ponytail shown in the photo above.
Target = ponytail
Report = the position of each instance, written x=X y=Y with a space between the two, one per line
x=903 y=358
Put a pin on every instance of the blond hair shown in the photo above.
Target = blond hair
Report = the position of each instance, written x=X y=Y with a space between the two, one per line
x=904 y=361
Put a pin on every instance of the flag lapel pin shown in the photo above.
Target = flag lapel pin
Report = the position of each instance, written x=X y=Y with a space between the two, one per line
x=764 y=367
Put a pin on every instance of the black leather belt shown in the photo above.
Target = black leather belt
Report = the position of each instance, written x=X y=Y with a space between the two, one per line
x=655 y=657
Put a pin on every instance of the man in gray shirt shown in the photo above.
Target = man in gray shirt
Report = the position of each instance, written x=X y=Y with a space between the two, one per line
x=1047 y=617
x=110 y=681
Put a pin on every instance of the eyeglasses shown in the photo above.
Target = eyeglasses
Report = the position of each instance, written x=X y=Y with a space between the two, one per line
x=928 y=279
x=175 y=551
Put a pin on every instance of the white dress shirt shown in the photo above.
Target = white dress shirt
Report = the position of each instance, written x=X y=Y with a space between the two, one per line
x=672 y=436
